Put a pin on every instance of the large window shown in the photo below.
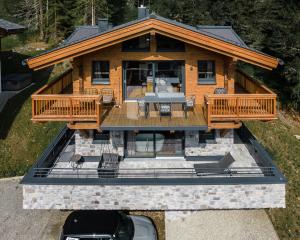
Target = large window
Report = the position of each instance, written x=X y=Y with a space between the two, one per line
x=206 y=72
x=138 y=44
x=143 y=77
x=166 y=44
x=100 y=72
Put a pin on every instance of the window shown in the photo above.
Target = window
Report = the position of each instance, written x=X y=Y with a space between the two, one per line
x=138 y=44
x=207 y=137
x=100 y=74
x=166 y=44
x=101 y=136
x=206 y=72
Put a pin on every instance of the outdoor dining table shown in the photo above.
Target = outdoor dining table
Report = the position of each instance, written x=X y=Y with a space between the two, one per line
x=160 y=98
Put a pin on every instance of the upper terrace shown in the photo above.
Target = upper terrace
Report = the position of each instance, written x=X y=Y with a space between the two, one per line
x=56 y=102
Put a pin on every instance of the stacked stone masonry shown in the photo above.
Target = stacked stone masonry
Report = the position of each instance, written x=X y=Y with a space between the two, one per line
x=154 y=197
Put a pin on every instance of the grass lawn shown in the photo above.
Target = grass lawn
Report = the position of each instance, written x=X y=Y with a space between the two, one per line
x=279 y=140
x=21 y=141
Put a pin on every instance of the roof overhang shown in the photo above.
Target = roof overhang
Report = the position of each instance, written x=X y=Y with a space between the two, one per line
x=152 y=25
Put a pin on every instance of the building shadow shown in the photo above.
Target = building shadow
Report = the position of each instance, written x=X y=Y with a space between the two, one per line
x=15 y=104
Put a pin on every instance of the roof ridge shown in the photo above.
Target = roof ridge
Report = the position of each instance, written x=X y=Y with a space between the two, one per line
x=215 y=26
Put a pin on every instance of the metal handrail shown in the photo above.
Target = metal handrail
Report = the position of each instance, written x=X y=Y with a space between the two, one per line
x=151 y=172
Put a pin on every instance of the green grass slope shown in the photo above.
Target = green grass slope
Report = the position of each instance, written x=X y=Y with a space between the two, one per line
x=279 y=140
x=22 y=141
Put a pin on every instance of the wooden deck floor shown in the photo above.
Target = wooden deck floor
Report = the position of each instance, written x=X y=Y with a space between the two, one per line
x=127 y=117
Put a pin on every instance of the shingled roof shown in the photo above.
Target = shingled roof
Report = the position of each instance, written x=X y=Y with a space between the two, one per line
x=7 y=27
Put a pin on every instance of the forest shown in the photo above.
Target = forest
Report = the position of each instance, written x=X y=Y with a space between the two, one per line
x=271 y=26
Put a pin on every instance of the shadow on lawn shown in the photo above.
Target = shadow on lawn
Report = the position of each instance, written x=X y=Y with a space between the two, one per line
x=14 y=105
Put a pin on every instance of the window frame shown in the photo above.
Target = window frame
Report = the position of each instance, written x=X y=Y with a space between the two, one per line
x=166 y=49
x=207 y=80
x=100 y=81
x=147 y=49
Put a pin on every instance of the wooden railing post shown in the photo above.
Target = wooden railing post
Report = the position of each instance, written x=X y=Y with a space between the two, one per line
x=71 y=108
x=237 y=106
x=208 y=109
x=33 y=106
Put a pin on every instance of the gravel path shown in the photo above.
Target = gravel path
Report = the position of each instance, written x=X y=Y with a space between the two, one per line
x=216 y=224
x=17 y=223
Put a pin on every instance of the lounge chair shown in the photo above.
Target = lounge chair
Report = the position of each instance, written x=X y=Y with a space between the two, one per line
x=108 y=165
x=221 y=167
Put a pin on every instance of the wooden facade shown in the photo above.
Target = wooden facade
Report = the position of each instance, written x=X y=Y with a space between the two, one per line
x=190 y=56
x=82 y=111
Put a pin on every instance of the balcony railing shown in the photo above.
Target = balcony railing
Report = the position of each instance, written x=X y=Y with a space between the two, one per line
x=66 y=107
x=258 y=104
x=50 y=103
x=57 y=86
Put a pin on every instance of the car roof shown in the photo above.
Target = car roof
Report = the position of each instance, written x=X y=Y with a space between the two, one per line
x=91 y=222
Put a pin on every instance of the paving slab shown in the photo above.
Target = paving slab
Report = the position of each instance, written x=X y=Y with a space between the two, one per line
x=227 y=224
x=20 y=224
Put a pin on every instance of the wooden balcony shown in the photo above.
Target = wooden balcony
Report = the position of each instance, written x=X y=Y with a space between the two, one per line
x=65 y=107
x=54 y=103
x=253 y=101
x=227 y=110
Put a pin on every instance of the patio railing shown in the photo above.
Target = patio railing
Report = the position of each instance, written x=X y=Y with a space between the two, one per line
x=258 y=104
x=66 y=107
x=152 y=173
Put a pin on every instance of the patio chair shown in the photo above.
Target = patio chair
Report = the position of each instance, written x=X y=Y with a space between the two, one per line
x=190 y=102
x=76 y=161
x=107 y=95
x=165 y=109
x=220 y=91
x=141 y=107
x=221 y=167
x=91 y=91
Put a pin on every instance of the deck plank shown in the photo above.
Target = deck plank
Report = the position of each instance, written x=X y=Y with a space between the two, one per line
x=117 y=117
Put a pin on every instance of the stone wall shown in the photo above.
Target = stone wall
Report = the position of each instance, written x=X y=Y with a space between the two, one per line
x=85 y=144
x=220 y=146
x=153 y=197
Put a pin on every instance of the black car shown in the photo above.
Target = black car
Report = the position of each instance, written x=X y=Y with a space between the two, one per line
x=107 y=225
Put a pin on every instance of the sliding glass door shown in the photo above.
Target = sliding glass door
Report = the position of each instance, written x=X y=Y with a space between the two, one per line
x=145 y=144
x=141 y=77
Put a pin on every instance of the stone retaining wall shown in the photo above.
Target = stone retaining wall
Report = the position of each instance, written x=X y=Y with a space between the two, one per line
x=153 y=197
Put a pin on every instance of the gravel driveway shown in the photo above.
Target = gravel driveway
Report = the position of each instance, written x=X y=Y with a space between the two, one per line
x=220 y=224
x=17 y=223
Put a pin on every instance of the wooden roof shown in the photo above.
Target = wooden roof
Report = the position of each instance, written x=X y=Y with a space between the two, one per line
x=153 y=24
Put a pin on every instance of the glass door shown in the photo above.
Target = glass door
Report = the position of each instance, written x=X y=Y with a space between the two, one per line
x=140 y=144
x=169 y=76
x=138 y=79
x=141 y=77
x=169 y=143
x=151 y=144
